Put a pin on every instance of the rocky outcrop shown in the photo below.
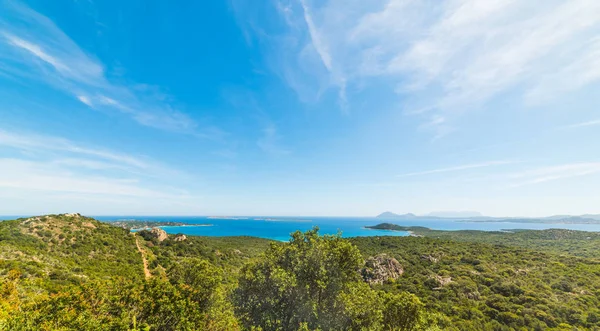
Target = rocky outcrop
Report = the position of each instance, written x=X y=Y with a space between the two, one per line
x=436 y=282
x=180 y=237
x=381 y=268
x=159 y=234
x=430 y=258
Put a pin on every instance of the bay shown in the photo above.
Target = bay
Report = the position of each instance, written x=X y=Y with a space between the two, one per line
x=279 y=228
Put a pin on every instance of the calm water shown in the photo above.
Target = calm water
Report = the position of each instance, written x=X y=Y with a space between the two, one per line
x=279 y=228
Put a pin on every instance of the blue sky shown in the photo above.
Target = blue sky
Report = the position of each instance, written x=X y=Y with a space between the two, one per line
x=299 y=107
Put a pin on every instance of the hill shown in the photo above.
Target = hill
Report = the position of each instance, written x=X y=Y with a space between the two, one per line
x=471 y=216
x=559 y=241
x=67 y=248
x=481 y=286
x=72 y=272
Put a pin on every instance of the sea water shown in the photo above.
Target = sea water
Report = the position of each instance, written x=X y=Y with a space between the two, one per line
x=279 y=228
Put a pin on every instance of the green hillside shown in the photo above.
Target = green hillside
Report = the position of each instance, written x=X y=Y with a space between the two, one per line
x=482 y=286
x=67 y=249
x=560 y=241
x=70 y=272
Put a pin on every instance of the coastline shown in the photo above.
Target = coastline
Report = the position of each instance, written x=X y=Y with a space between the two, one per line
x=169 y=226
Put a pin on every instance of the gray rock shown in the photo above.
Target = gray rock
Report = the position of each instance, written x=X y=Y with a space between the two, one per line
x=381 y=268
x=159 y=233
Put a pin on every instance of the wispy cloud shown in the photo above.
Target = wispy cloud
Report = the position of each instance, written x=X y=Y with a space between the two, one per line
x=317 y=41
x=552 y=173
x=68 y=155
x=30 y=175
x=321 y=46
x=446 y=57
x=31 y=40
x=53 y=164
x=456 y=168
x=583 y=124
x=39 y=143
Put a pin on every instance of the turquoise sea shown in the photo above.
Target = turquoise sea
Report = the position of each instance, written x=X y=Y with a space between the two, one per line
x=279 y=228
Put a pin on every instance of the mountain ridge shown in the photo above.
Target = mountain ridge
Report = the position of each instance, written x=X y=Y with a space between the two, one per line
x=478 y=217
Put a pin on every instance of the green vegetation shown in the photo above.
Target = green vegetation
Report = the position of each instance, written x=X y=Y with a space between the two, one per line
x=560 y=241
x=313 y=283
x=69 y=272
x=490 y=287
x=66 y=249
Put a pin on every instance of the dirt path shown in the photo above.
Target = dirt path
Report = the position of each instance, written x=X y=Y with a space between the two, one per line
x=147 y=273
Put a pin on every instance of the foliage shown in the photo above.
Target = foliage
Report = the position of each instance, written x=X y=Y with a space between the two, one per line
x=64 y=272
x=298 y=283
x=559 y=241
x=314 y=282
x=491 y=287
x=156 y=305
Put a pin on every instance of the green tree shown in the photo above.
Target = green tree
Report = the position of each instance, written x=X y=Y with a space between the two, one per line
x=299 y=282
x=362 y=307
x=402 y=312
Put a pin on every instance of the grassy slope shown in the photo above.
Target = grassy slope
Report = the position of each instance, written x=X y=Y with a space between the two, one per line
x=67 y=249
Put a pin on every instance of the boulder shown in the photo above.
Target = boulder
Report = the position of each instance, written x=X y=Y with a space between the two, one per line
x=180 y=237
x=381 y=268
x=430 y=258
x=159 y=234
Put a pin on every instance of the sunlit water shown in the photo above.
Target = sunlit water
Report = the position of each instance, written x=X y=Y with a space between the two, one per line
x=279 y=228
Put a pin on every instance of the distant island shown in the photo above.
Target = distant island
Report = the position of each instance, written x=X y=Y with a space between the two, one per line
x=470 y=216
x=545 y=220
x=395 y=227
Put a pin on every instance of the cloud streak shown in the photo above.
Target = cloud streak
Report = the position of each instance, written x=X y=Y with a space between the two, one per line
x=457 y=168
x=40 y=144
x=583 y=124
x=553 y=173
x=31 y=40
x=56 y=165
x=447 y=57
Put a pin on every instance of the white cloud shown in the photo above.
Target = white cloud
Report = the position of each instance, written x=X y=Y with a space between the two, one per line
x=49 y=167
x=451 y=56
x=30 y=39
x=40 y=144
x=29 y=175
x=583 y=124
x=317 y=40
x=85 y=100
x=37 y=51
x=457 y=168
x=552 y=173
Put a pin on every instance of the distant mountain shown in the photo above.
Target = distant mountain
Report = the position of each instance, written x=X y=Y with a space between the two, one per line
x=572 y=217
x=455 y=214
x=473 y=216
x=389 y=214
